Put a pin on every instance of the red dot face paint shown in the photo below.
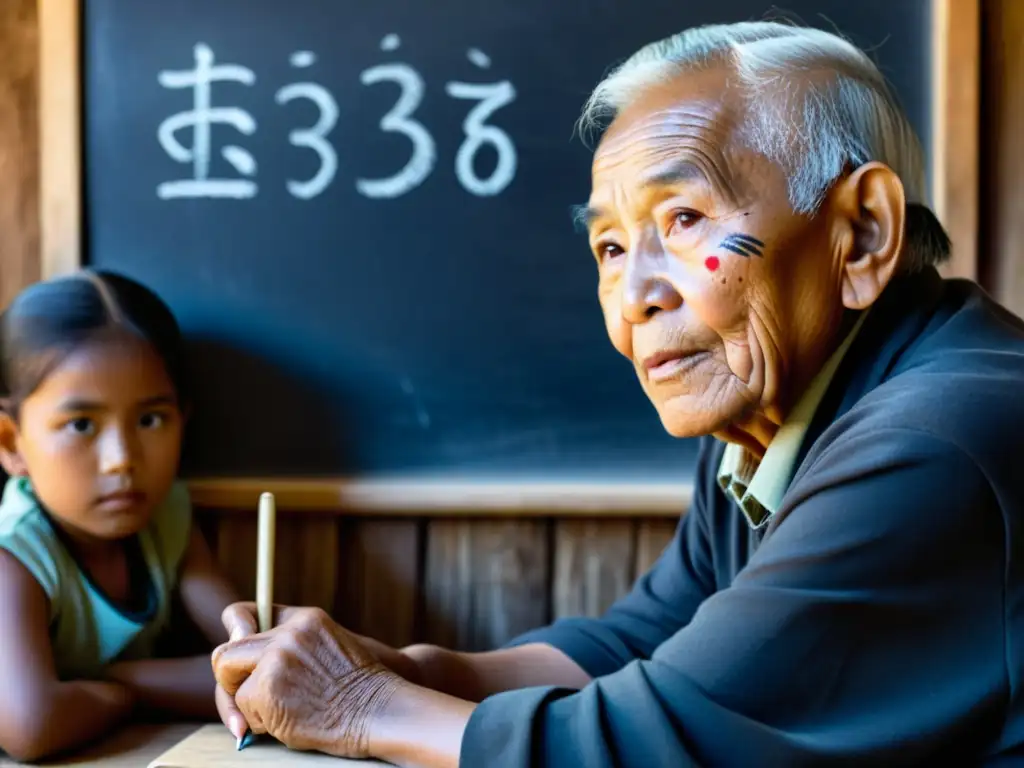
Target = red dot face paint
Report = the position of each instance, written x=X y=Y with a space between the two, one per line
x=712 y=263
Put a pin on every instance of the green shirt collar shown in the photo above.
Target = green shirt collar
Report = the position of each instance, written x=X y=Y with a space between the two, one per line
x=758 y=488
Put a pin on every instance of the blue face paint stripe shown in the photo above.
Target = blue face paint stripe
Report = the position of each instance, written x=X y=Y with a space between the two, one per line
x=742 y=245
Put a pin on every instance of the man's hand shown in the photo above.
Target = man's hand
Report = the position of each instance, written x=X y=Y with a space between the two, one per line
x=307 y=682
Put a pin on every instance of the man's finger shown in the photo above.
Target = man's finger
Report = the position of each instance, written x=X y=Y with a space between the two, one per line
x=239 y=619
x=229 y=713
x=233 y=662
x=247 y=701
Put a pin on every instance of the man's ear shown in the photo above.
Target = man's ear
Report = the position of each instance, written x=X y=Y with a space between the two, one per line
x=870 y=203
x=10 y=456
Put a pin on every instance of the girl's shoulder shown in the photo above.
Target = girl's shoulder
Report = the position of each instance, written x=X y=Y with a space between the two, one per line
x=18 y=503
x=27 y=534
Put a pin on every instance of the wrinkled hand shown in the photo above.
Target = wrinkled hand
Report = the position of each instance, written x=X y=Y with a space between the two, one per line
x=307 y=682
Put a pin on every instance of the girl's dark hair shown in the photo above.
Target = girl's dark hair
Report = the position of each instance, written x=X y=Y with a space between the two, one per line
x=49 y=320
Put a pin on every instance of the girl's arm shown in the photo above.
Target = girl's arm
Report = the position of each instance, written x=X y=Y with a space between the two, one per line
x=185 y=686
x=205 y=592
x=39 y=714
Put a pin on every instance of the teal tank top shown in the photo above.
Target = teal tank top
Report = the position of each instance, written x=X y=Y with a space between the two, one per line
x=87 y=631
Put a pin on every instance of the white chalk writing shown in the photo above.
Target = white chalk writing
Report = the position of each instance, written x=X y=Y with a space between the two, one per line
x=491 y=97
x=314 y=138
x=400 y=119
x=479 y=130
x=200 y=118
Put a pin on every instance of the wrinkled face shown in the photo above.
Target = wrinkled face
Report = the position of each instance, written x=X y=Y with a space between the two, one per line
x=718 y=293
x=100 y=438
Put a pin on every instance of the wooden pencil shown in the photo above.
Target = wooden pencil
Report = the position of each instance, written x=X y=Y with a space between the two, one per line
x=265 y=562
x=264 y=576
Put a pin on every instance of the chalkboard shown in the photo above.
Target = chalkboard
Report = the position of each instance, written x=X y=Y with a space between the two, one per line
x=359 y=211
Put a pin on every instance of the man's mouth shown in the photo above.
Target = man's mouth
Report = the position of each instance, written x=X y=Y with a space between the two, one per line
x=670 y=363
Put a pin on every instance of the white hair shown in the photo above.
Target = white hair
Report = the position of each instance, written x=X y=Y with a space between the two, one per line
x=816 y=105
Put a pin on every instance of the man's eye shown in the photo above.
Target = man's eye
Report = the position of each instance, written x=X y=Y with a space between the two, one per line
x=683 y=219
x=607 y=251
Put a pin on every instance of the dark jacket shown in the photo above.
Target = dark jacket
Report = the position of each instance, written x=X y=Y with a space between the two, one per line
x=879 y=617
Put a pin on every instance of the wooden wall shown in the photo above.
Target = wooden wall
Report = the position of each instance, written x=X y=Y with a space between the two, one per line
x=469 y=583
x=19 y=147
x=474 y=581
x=1001 y=235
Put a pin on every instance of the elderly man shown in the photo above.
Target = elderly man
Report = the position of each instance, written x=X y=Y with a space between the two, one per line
x=846 y=586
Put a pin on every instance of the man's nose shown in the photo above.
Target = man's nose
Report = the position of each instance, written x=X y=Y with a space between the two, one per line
x=646 y=290
x=116 y=452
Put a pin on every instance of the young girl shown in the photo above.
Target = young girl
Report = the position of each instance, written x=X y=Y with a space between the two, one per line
x=95 y=531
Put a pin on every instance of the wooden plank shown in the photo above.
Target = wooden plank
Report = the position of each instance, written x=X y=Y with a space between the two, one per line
x=486 y=581
x=593 y=565
x=306 y=561
x=652 y=536
x=305 y=557
x=956 y=112
x=1003 y=158
x=447 y=607
x=60 y=107
x=19 y=148
x=208 y=523
x=236 y=551
x=380 y=564
x=403 y=497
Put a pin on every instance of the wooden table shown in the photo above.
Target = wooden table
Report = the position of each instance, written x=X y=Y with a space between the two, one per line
x=139 y=744
x=132 y=747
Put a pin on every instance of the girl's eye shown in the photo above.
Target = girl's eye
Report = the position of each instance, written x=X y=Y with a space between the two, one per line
x=81 y=426
x=151 y=420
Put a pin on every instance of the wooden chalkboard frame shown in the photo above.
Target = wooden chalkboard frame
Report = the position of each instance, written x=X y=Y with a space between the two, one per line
x=955 y=114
